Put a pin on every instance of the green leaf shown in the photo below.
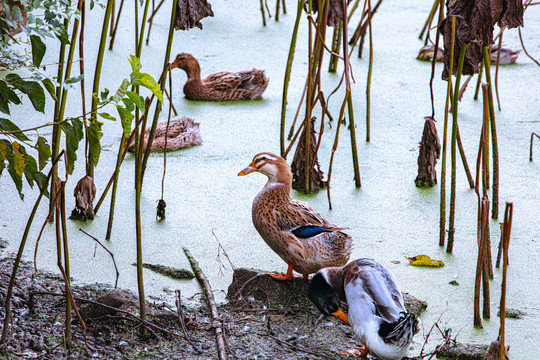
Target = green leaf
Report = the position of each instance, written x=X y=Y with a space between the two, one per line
x=30 y=168
x=7 y=125
x=104 y=94
x=94 y=135
x=7 y=95
x=143 y=79
x=121 y=92
x=18 y=182
x=35 y=94
x=129 y=104
x=75 y=79
x=74 y=135
x=136 y=99
x=127 y=119
x=107 y=116
x=62 y=35
x=44 y=152
x=135 y=63
x=38 y=50
x=49 y=86
x=19 y=162
x=40 y=180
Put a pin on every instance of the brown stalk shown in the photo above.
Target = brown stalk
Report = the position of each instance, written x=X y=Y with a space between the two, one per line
x=113 y=34
x=508 y=212
x=497 y=68
x=531 y=147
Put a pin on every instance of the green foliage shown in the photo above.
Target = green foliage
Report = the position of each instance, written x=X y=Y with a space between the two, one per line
x=94 y=135
x=19 y=162
x=127 y=101
x=74 y=134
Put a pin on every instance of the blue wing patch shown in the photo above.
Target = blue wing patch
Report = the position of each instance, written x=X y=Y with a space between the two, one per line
x=307 y=231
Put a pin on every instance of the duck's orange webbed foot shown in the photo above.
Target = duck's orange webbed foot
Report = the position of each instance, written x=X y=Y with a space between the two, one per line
x=289 y=275
x=362 y=352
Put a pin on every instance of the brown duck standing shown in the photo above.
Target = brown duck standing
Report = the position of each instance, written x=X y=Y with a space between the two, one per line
x=221 y=86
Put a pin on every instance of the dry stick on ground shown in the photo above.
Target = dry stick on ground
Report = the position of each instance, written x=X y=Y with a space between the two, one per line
x=216 y=321
x=182 y=323
x=531 y=147
x=508 y=212
x=110 y=253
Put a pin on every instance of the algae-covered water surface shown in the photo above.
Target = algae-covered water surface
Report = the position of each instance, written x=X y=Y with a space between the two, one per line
x=208 y=205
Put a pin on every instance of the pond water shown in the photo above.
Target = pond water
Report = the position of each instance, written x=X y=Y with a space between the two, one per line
x=389 y=217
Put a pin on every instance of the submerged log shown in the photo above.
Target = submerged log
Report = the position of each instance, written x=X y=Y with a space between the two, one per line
x=430 y=151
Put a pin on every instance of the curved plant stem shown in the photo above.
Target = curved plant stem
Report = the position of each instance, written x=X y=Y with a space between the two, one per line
x=525 y=50
x=442 y=221
x=451 y=220
x=288 y=74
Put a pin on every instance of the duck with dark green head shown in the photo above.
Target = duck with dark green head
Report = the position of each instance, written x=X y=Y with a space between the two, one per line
x=376 y=311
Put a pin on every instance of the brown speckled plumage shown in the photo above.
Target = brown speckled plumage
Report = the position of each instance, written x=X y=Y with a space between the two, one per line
x=275 y=215
x=222 y=86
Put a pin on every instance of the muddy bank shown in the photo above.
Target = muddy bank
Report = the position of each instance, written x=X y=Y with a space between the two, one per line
x=273 y=320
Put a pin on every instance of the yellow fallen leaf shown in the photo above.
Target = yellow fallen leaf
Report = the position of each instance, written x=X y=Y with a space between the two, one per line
x=424 y=260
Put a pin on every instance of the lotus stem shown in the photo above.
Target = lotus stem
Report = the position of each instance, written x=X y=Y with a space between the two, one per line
x=442 y=221
x=113 y=34
x=451 y=220
x=508 y=212
x=263 y=14
x=429 y=20
x=290 y=59
x=370 y=70
x=495 y=190
x=97 y=74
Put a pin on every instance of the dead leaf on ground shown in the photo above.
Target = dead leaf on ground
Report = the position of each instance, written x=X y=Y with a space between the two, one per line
x=424 y=260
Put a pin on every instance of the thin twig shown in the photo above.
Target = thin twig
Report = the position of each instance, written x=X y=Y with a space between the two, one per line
x=531 y=147
x=110 y=253
x=182 y=323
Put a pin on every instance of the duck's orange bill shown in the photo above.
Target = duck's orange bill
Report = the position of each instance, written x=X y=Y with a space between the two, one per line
x=251 y=168
x=341 y=316
x=173 y=65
